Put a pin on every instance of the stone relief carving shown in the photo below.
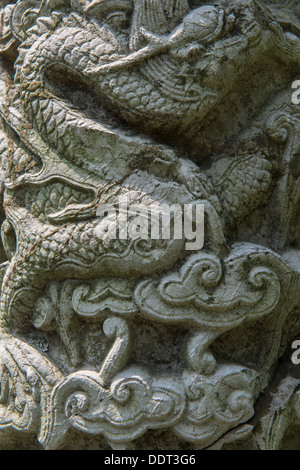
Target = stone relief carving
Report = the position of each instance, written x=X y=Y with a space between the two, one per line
x=163 y=103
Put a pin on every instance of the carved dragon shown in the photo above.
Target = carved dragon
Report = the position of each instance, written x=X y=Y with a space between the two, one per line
x=91 y=51
x=159 y=68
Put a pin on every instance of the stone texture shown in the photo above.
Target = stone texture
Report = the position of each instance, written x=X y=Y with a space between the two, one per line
x=110 y=343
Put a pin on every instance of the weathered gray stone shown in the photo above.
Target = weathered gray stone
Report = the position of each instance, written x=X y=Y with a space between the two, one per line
x=131 y=342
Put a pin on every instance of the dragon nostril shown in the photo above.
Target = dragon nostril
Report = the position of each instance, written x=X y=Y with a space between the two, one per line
x=230 y=23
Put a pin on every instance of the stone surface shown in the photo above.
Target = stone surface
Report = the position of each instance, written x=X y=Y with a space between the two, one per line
x=130 y=343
